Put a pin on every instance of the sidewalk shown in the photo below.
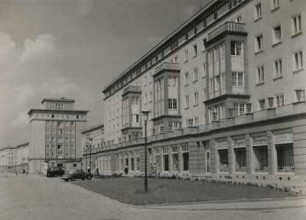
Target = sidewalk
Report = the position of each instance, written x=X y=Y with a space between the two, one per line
x=243 y=204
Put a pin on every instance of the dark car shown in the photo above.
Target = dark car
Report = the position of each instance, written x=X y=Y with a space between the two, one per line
x=55 y=171
x=76 y=174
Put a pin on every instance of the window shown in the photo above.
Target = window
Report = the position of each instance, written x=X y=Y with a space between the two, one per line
x=237 y=79
x=186 y=36
x=298 y=61
x=186 y=55
x=204 y=70
x=278 y=69
x=300 y=95
x=195 y=74
x=240 y=156
x=185 y=157
x=195 y=50
x=258 y=11
x=285 y=158
x=186 y=78
x=203 y=44
x=238 y=19
x=259 y=43
x=261 y=158
x=239 y=109
x=280 y=100
x=195 y=30
x=262 y=104
x=277 y=35
x=172 y=103
x=137 y=117
x=166 y=159
x=187 y=101
x=296 y=24
x=260 y=74
x=223 y=160
x=236 y=48
x=274 y=4
x=196 y=98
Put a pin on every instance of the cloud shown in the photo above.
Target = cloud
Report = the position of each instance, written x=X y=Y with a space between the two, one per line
x=21 y=84
x=37 y=49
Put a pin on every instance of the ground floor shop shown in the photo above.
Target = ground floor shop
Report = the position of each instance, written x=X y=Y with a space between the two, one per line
x=270 y=152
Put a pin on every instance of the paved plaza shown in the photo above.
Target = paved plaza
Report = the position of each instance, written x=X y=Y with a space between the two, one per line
x=40 y=198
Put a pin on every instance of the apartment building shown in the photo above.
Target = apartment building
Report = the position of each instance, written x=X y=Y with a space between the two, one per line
x=14 y=159
x=226 y=95
x=93 y=142
x=55 y=134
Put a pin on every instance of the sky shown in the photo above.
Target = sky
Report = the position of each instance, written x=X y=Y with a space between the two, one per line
x=73 y=49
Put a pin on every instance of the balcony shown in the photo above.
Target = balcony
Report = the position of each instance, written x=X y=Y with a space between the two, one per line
x=132 y=89
x=230 y=27
x=286 y=110
x=167 y=66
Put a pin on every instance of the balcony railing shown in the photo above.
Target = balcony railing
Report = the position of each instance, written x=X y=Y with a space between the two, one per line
x=167 y=66
x=228 y=26
x=281 y=111
x=132 y=89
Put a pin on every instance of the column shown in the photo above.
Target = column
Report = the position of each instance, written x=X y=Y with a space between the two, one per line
x=214 y=156
x=193 y=157
x=231 y=155
x=170 y=159
x=249 y=154
x=299 y=145
x=272 y=157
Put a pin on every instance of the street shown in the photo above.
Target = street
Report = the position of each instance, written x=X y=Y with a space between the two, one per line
x=40 y=198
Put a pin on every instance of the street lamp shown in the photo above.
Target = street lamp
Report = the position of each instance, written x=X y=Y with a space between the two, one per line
x=90 y=143
x=145 y=115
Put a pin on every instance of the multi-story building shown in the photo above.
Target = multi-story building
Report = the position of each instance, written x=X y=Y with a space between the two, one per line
x=226 y=95
x=14 y=159
x=56 y=134
x=93 y=142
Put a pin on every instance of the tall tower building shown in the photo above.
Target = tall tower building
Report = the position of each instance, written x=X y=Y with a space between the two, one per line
x=56 y=134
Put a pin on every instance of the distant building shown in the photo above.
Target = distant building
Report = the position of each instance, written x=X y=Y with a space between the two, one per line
x=226 y=95
x=56 y=134
x=14 y=159
x=93 y=141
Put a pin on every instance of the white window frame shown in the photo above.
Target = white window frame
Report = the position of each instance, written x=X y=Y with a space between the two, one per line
x=258 y=11
x=274 y=5
x=300 y=95
x=278 y=68
x=280 y=99
x=196 y=98
x=186 y=101
x=276 y=39
x=195 y=74
x=258 y=43
x=298 y=62
x=296 y=24
x=260 y=74
x=235 y=79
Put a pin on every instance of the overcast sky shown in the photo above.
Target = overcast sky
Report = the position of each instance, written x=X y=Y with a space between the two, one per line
x=72 y=49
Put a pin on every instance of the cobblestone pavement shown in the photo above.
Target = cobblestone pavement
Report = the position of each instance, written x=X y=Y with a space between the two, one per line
x=40 y=198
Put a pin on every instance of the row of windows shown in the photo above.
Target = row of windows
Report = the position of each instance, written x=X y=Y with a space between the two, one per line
x=277 y=33
x=298 y=64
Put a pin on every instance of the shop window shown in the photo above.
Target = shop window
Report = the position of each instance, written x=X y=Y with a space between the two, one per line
x=223 y=160
x=240 y=155
x=285 y=158
x=260 y=158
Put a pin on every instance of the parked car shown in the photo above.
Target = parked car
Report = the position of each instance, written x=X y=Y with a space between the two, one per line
x=76 y=174
x=55 y=171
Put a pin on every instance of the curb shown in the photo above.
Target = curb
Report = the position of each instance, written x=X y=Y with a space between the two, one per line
x=220 y=203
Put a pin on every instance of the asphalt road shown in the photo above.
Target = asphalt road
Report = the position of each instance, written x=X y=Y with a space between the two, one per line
x=40 y=198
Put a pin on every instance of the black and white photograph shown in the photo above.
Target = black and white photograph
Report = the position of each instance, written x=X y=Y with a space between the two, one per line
x=152 y=109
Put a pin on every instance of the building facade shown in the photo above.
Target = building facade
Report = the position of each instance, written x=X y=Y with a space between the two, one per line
x=56 y=134
x=15 y=159
x=93 y=142
x=226 y=95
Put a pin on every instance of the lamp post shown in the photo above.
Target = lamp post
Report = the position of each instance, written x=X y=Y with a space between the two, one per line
x=90 y=143
x=145 y=120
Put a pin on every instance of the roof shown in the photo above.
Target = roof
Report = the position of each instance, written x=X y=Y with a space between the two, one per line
x=161 y=43
x=93 y=128
x=57 y=111
x=15 y=147
x=57 y=100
